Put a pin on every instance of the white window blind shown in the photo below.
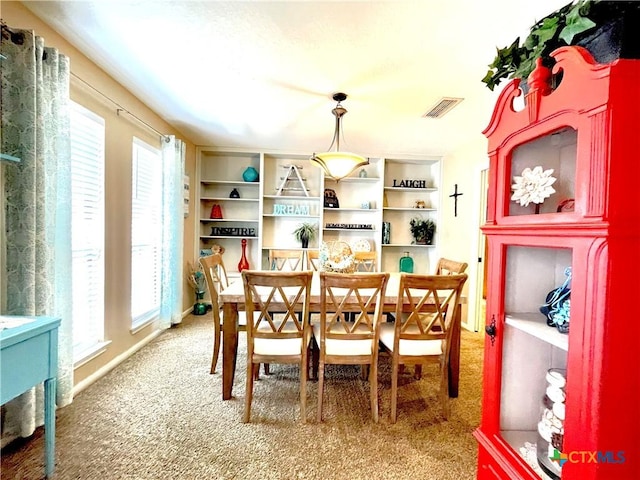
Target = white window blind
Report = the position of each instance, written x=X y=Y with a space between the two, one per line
x=87 y=229
x=146 y=232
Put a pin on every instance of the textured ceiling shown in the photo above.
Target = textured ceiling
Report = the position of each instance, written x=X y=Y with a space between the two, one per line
x=261 y=74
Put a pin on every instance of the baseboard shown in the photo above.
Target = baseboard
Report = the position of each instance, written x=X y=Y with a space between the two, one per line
x=98 y=374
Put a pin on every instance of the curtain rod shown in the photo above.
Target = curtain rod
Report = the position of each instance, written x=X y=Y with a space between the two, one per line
x=122 y=109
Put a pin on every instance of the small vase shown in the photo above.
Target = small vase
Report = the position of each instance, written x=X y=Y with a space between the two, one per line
x=216 y=211
x=406 y=263
x=234 y=193
x=199 y=308
x=386 y=233
x=250 y=175
x=244 y=263
x=305 y=241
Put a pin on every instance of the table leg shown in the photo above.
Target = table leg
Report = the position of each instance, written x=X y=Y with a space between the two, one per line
x=454 y=355
x=49 y=426
x=229 y=347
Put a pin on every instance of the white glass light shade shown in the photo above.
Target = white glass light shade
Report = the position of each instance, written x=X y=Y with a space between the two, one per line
x=338 y=165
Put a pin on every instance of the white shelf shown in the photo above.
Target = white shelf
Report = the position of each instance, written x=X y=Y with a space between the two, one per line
x=355 y=209
x=410 y=189
x=290 y=216
x=239 y=237
x=329 y=229
x=412 y=209
x=412 y=245
x=227 y=199
x=243 y=220
x=535 y=325
x=353 y=180
x=235 y=183
x=274 y=247
x=290 y=197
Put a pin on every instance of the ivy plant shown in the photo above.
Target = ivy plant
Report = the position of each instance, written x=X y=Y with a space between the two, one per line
x=553 y=31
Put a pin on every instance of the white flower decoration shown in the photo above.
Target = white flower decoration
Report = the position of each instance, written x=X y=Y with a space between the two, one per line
x=533 y=186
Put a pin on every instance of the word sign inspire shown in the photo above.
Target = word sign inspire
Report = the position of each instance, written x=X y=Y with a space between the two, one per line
x=408 y=183
x=280 y=209
x=233 y=232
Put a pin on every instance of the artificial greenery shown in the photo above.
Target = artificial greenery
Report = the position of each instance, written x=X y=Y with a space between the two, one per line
x=556 y=30
x=422 y=229
x=307 y=230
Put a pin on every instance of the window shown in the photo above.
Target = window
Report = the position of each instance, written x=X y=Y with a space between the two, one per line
x=87 y=229
x=146 y=232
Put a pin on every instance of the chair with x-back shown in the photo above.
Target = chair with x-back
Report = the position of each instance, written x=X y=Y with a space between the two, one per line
x=347 y=342
x=444 y=267
x=423 y=334
x=450 y=267
x=313 y=260
x=285 y=260
x=281 y=339
x=365 y=261
x=217 y=280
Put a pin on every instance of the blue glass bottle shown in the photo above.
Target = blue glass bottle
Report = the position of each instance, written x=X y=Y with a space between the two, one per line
x=406 y=263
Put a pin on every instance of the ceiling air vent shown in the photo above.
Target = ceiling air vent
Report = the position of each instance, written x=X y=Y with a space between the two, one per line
x=443 y=106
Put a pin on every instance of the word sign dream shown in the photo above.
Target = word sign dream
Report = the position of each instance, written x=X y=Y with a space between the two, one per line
x=279 y=209
x=408 y=183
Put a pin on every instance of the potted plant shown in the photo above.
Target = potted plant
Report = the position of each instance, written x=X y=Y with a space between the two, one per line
x=604 y=28
x=422 y=230
x=305 y=232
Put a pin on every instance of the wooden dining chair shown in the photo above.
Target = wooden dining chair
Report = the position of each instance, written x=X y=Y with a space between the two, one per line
x=346 y=342
x=217 y=280
x=313 y=260
x=450 y=267
x=365 y=261
x=424 y=334
x=282 y=339
x=444 y=267
x=285 y=260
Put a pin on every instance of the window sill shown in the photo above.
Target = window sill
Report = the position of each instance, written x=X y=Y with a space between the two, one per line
x=90 y=353
x=142 y=324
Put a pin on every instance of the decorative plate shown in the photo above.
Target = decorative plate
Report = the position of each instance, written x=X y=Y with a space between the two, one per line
x=361 y=245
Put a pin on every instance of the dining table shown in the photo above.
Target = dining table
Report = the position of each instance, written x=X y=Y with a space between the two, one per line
x=233 y=301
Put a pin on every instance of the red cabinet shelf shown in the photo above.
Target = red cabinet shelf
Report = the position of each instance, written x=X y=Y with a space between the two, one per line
x=586 y=130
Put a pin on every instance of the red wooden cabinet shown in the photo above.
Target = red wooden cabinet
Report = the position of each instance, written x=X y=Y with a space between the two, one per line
x=588 y=131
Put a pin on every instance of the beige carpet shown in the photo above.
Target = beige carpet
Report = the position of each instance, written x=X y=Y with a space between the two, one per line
x=160 y=416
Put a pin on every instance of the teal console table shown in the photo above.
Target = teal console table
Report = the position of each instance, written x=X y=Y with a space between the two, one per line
x=28 y=357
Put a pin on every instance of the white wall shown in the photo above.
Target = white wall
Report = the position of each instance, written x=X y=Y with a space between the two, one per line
x=459 y=235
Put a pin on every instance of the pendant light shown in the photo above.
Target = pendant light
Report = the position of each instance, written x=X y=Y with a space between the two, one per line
x=337 y=164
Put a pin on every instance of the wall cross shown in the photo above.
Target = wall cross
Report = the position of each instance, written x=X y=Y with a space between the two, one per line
x=455 y=196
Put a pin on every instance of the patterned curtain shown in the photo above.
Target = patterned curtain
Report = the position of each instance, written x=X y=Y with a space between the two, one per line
x=37 y=215
x=173 y=155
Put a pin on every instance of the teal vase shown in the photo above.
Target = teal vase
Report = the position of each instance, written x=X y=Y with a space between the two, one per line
x=250 y=175
x=199 y=308
x=406 y=263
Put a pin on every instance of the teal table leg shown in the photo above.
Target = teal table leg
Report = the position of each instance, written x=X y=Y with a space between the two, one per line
x=49 y=426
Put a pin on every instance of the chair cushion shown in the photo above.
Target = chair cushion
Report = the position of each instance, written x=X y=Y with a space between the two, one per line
x=242 y=318
x=344 y=347
x=278 y=346
x=409 y=347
